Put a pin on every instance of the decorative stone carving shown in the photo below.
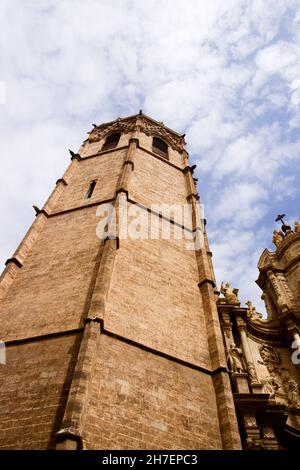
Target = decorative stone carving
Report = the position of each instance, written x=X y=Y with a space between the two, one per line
x=279 y=380
x=297 y=227
x=252 y=313
x=230 y=294
x=254 y=444
x=292 y=389
x=269 y=355
x=144 y=124
x=152 y=128
x=283 y=301
x=278 y=238
x=125 y=126
x=271 y=384
x=250 y=422
x=235 y=359
x=268 y=432
x=252 y=373
x=227 y=326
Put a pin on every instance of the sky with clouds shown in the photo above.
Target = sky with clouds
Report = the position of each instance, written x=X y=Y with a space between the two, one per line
x=226 y=73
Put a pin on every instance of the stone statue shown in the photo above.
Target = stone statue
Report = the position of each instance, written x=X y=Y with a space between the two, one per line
x=270 y=385
x=293 y=392
x=235 y=359
x=230 y=294
x=252 y=313
x=297 y=227
x=278 y=238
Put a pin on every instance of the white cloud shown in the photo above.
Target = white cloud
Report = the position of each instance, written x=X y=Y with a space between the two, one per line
x=226 y=73
x=241 y=203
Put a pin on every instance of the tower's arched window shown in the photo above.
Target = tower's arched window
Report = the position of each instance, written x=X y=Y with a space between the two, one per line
x=159 y=146
x=111 y=141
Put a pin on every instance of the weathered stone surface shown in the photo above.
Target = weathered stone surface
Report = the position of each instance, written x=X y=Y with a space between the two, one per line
x=151 y=356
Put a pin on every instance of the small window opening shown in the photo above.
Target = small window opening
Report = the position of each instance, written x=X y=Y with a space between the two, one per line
x=90 y=190
x=159 y=146
x=111 y=141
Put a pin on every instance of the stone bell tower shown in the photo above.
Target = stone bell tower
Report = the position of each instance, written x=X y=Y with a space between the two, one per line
x=115 y=342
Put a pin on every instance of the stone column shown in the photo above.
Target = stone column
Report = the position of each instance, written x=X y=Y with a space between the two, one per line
x=254 y=382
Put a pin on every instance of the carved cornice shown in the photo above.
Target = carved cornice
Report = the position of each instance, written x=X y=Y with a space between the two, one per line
x=259 y=329
x=266 y=259
x=124 y=126
x=62 y=180
x=291 y=238
x=268 y=333
x=15 y=261
x=141 y=123
x=274 y=260
x=206 y=280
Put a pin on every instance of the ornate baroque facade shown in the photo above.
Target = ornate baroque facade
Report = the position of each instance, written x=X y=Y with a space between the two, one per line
x=266 y=386
x=125 y=343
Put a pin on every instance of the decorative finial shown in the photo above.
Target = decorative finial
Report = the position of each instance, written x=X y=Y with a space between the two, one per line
x=140 y=112
x=278 y=238
x=280 y=217
x=284 y=227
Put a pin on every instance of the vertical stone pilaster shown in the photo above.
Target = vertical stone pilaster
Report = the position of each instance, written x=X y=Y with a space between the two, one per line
x=21 y=253
x=103 y=281
x=7 y=278
x=256 y=386
x=61 y=184
x=225 y=405
x=229 y=429
x=69 y=437
x=32 y=234
x=227 y=328
x=128 y=165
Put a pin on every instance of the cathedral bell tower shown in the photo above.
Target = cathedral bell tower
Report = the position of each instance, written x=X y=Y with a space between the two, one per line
x=112 y=335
